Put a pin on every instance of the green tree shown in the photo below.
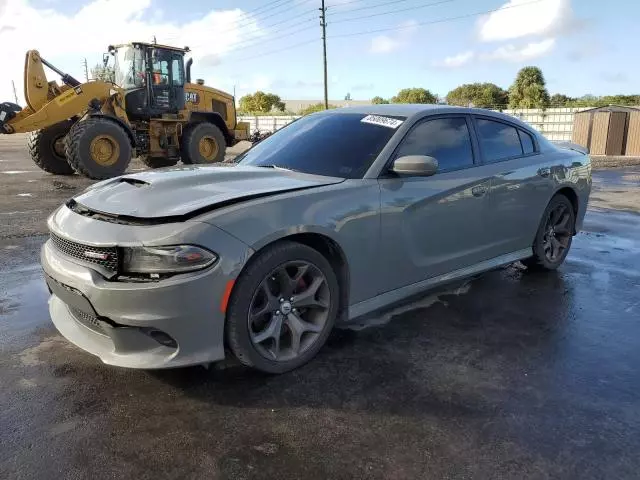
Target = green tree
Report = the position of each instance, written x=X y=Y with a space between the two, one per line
x=479 y=94
x=559 y=100
x=317 y=107
x=106 y=74
x=621 y=99
x=379 y=101
x=261 y=102
x=414 y=95
x=529 y=89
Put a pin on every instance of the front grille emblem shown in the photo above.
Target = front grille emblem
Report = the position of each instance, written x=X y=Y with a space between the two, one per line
x=96 y=255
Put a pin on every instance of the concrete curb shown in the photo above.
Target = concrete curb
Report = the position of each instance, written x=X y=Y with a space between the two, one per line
x=601 y=161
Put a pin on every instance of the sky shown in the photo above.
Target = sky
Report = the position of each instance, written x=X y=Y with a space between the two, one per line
x=374 y=47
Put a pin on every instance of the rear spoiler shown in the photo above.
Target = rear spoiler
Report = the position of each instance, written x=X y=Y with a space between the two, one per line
x=571 y=146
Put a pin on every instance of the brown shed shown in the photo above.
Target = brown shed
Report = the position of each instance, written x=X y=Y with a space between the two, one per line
x=606 y=130
x=633 y=135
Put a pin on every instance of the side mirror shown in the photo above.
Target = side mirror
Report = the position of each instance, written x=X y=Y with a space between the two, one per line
x=415 y=165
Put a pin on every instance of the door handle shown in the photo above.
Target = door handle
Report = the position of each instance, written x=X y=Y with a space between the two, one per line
x=544 y=172
x=479 y=191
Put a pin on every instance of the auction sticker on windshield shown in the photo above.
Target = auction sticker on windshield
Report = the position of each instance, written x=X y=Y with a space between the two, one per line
x=382 y=121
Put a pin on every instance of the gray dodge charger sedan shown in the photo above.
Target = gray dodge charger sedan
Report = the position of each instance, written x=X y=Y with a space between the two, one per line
x=335 y=216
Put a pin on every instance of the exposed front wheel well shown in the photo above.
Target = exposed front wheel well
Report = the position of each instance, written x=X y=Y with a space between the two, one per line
x=330 y=250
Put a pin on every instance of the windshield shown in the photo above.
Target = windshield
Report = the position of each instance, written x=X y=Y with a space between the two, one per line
x=129 y=67
x=337 y=145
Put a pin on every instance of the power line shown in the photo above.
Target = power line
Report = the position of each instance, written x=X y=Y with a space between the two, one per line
x=290 y=47
x=255 y=18
x=379 y=30
x=255 y=10
x=367 y=7
x=261 y=9
x=341 y=4
x=442 y=20
x=257 y=40
x=393 y=11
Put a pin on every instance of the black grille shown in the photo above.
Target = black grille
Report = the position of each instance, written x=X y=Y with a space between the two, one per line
x=106 y=257
x=89 y=321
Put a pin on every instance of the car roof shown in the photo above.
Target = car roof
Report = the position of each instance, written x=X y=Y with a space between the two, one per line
x=411 y=110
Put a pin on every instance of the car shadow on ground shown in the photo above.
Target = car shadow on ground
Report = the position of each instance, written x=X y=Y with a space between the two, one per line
x=454 y=358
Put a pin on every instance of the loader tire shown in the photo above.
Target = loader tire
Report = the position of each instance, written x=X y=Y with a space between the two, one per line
x=46 y=148
x=158 y=162
x=203 y=143
x=98 y=148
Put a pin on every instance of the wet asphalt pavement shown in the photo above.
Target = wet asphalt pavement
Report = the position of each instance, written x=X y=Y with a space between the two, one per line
x=512 y=375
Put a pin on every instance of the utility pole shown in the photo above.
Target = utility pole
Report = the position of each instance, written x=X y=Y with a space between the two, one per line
x=323 y=24
x=86 y=70
x=15 y=94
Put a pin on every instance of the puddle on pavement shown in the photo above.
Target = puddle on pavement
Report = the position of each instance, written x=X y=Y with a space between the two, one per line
x=419 y=304
x=610 y=242
x=23 y=302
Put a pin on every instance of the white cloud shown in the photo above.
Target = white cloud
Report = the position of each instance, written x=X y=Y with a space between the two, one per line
x=66 y=39
x=546 y=17
x=387 y=43
x=455 y=61
x=513 y=53
x=615 y=77
x=384 y=44
x=257 y=82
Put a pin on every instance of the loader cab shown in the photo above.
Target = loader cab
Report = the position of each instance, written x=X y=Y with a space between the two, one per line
x=153 y=78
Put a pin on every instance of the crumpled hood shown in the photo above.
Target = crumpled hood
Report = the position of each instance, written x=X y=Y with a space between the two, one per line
x=183 y=190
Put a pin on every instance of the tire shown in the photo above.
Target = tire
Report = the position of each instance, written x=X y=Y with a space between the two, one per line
x=555 y=228
x=42 y=148
x=263 y=268
x=191 y=142
x=111 y=152
x=158 y=162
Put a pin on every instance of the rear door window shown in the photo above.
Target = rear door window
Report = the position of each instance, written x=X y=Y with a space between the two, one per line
x=498 y=141
x=445 y=139
x=527 y=142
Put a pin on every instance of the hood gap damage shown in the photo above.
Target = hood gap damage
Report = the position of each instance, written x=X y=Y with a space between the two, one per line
x=80 y=209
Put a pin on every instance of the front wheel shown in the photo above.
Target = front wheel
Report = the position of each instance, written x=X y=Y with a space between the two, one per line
x=283 y=308
x=554 y=235
x=98 y=148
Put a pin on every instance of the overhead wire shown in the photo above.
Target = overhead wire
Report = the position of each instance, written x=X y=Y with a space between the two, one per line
x=290 y=47
x=393 y=11
x=366 y=7
x=259 y=40
x=432 y=22
x=249 y=20
x=399 y=27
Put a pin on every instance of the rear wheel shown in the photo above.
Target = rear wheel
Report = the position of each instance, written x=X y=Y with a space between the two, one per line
x=554 y=235
x=203 y=143
x=46 y=148
x=158 y=162
x=98 y=148
x=283 y=308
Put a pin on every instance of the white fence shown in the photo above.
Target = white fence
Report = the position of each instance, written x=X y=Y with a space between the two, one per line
x=554 y=123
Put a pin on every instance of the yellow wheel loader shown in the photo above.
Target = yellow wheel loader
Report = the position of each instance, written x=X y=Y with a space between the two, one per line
x=150 y=110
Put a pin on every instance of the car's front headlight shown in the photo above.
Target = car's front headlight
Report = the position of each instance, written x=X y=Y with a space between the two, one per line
x=170 y=259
